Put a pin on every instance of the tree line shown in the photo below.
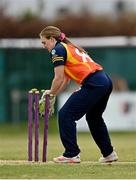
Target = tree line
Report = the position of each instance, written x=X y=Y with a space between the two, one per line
x=86 y=25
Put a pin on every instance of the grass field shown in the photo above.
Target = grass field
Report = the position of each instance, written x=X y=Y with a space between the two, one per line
x=13 y=156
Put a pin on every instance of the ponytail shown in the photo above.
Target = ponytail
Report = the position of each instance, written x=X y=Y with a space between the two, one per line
x=52 y=31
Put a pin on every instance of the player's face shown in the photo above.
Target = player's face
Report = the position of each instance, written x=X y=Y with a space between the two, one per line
x=49 y=44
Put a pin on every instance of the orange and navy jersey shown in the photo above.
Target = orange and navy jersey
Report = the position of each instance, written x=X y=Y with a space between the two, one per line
x=77 y=65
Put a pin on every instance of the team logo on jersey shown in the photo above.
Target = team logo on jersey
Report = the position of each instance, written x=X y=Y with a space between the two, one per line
x=53 y=52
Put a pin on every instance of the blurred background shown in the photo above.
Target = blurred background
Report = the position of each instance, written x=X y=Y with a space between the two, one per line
x=105 y=28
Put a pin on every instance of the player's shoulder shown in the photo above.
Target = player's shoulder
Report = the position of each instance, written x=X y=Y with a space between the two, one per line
x=59 y=46
x=58 y=49
x=58 y=54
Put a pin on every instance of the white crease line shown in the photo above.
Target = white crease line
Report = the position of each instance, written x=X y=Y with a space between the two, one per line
x=23 y=162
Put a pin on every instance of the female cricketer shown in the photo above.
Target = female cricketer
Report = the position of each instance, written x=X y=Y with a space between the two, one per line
x=73 y=63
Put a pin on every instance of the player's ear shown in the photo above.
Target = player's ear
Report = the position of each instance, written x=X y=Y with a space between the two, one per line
x=52 y=39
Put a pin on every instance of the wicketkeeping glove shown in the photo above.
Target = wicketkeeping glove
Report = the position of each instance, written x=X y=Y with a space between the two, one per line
x=42 y=104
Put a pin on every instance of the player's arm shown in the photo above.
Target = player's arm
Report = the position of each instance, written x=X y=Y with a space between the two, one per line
x=64 y=84
x=58 y=55
x=60 y=80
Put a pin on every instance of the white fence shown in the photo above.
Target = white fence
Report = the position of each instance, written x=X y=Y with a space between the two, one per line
x=110 y=41
x=120 y=114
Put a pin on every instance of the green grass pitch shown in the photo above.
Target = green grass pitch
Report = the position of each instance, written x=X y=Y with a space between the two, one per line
x=13 y=156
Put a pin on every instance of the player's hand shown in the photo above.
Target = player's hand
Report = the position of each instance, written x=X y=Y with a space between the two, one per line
x=42 y=106
x=42 y=101
x=52 y=100
x=45 y=92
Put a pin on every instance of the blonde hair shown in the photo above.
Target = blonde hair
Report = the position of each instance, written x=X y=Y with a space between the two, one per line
x=52 y=31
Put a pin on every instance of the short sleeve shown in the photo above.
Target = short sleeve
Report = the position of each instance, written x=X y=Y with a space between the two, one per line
x=58 y=55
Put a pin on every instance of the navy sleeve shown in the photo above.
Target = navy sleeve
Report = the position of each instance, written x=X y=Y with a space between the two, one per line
x=58 y=55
